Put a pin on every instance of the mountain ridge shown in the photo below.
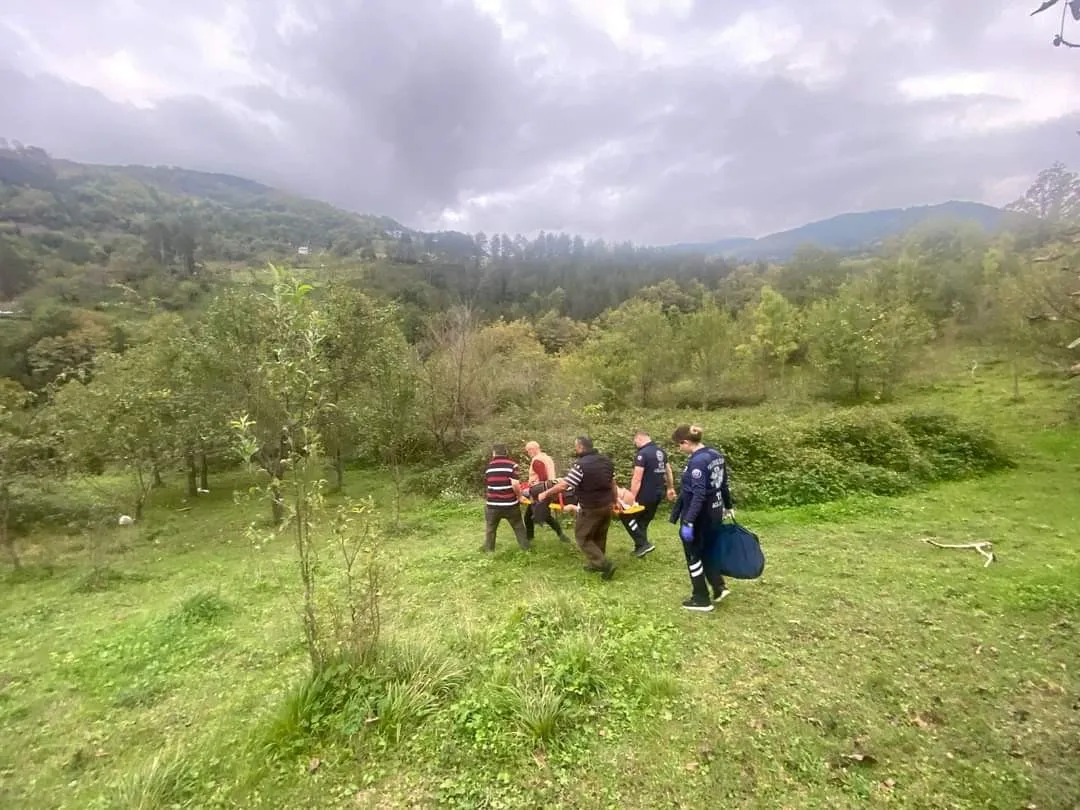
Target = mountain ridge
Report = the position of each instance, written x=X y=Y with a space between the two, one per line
x=124 y=197
x=851 y=231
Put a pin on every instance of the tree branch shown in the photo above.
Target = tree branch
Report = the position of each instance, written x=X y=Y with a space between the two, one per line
x=984 y=547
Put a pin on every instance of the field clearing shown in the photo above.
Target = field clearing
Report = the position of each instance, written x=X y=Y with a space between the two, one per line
x=864 y=668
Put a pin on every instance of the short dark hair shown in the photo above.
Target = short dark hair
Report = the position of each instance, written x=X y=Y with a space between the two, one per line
x=500 y=450
x=687 y=433
x=585 y=442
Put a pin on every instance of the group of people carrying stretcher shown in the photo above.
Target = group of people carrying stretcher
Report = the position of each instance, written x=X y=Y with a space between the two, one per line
x=590 y=491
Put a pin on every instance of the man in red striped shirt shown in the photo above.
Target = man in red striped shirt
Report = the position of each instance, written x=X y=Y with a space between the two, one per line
x=502 y=484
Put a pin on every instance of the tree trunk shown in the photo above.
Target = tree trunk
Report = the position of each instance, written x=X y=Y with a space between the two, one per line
x=277 y=507
x=158 y=483
x=7 y=540
x=277 y=504
x=192 y=476
x=140 y=494
x=204 y=472
x=339 y=470
x=396 y=472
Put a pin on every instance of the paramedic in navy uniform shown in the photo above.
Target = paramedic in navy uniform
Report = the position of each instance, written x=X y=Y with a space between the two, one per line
x=652 y=481
x=704 y=500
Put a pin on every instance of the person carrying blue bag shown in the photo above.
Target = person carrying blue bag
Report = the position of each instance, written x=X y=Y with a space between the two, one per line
x=704 y=501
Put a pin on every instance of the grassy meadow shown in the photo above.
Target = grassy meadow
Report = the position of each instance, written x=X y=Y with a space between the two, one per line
x=163 y=665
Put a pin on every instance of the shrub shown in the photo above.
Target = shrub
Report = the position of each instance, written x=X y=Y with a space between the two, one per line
x=871 y=440
x=953 y=450
x=787 y=463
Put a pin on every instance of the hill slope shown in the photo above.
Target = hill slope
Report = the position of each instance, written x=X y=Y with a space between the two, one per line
x=853 y=231
x=85 y=211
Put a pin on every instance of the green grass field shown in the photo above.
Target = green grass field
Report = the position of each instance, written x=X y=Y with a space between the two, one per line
x=864 y=668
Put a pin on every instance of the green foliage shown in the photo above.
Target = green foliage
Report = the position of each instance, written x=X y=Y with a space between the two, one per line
x=167 y=780
x=204 y=607
x=792 y=463
x=861 y=343
x=632 y=353
x=952 y=449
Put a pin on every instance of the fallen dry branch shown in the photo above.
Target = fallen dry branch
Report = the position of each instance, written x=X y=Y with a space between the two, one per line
x=984 y=547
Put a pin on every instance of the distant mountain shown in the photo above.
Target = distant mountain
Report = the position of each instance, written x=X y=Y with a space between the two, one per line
x=851 y=232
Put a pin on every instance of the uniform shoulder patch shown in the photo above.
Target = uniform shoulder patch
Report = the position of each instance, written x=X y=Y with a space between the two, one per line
x=696 y=473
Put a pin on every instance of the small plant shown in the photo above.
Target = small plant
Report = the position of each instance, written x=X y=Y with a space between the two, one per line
x=167 y=781
x=539 y=711
x=205 y=607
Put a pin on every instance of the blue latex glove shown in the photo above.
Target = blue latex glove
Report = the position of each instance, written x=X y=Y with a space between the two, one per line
x=686 y=532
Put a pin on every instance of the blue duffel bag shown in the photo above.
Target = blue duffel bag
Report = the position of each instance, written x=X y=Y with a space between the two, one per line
x=734 y=551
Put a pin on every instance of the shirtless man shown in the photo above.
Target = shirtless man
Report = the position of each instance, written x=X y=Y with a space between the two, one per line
x=541 y=477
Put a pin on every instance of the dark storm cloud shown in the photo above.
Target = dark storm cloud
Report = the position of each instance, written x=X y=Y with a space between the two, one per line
x=409 y=107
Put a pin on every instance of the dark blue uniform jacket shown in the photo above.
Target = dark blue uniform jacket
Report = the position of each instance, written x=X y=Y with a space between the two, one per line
x=704 y=493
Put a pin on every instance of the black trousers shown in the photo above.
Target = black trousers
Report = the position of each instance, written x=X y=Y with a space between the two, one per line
x=512 y=515
x=700 y=579
x=540 y=512
x=548 y=520
x=637 y=524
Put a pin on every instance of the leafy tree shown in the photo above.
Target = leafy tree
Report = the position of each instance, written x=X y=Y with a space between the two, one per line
x=127 y=414
x=357 y=331
x=16 y=271
x=858 y=341
x=558 y=333
x=390 y=413
x=1051 y=286
x=270 y=360
x=292 y=373
x=20 y=445
x=773 y=328
x=1054 y=196
x=707 y=339
x=633 y=354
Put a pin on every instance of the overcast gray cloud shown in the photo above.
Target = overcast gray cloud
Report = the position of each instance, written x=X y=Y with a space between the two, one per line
x=649 y=120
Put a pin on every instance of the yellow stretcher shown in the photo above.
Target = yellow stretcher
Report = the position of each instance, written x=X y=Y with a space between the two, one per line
x=632 y=509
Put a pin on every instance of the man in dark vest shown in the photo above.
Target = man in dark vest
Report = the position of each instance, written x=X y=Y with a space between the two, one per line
x=593 y=480
x=502 y=485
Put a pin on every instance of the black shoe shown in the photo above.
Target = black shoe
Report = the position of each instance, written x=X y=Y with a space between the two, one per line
x=592 y=569
x=641 y=551
x=700 y=605
x=721 y=594
x=608 y=571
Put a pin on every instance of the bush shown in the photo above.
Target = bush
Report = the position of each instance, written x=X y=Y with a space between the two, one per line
x=785 y=463
x=870 y=440
x=788 y=463
x=953 y=450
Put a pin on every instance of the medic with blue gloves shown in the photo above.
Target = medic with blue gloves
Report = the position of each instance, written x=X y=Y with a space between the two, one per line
x=704 y=501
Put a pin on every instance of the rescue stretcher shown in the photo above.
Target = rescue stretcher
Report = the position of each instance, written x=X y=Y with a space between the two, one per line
x=561 y=506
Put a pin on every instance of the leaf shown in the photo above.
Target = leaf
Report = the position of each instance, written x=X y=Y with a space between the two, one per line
x=1044 y=7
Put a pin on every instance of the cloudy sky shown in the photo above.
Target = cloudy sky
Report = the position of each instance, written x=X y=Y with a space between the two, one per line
x=650 y=120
